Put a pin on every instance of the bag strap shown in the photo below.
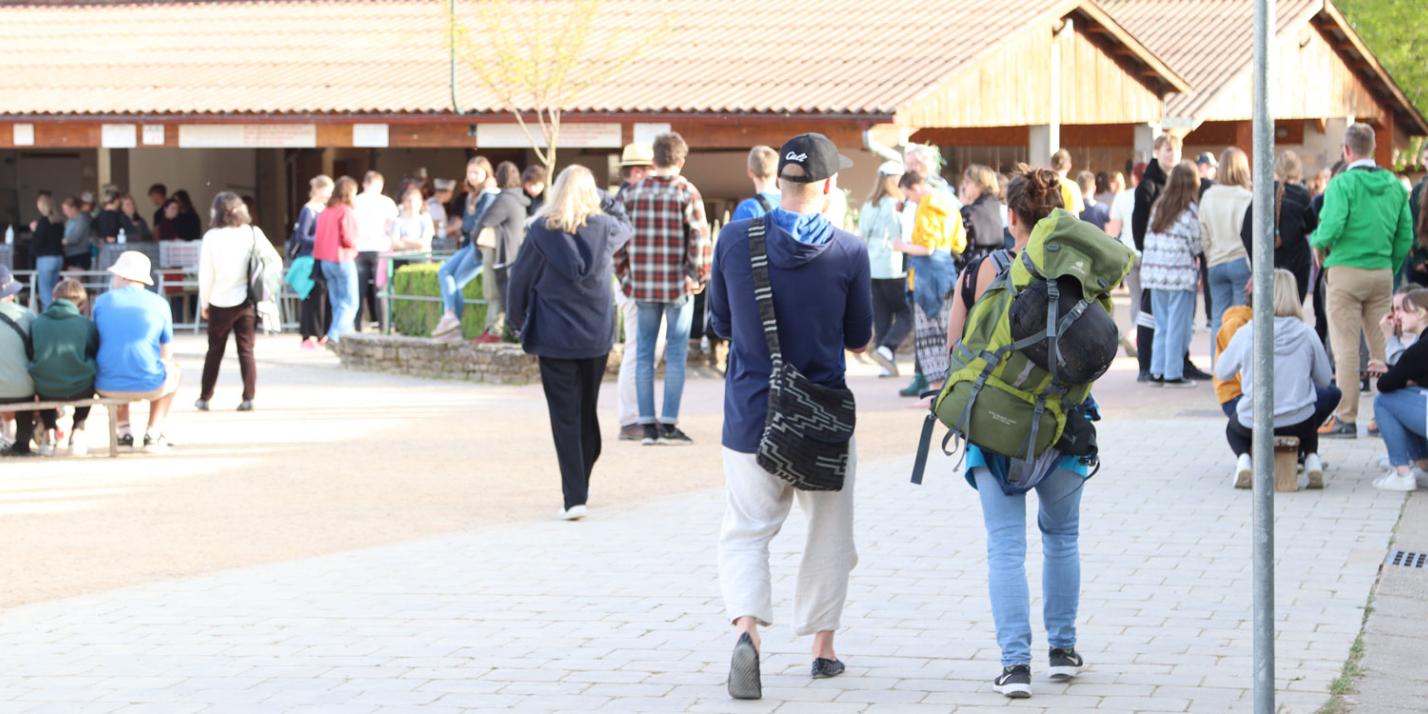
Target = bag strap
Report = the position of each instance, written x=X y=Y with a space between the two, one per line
x=24 y=337
x=763 y=291
x=763 y=203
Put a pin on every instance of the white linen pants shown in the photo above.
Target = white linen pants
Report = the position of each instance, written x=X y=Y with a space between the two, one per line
x=758 y=502
x=629 y=411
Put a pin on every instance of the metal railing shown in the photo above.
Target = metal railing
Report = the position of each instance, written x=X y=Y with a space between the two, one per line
x=390 y=295
x=97 y=282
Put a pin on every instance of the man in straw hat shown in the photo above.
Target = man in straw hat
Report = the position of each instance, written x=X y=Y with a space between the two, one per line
x=136 y=332
x=15 y=384
x=636 y=162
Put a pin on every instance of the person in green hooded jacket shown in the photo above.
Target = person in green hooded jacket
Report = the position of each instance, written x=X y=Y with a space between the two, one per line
x=1366 y=230
x=63 y=368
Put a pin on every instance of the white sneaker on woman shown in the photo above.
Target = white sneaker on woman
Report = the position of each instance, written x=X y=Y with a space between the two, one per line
x=574 y=513
x=1314 y=471
x=1394 y=481
x=1244 y=470
x=447 y=324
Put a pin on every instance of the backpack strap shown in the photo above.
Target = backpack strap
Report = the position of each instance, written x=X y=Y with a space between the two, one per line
x=763 y=203
x=763 y=291
x=24 y=336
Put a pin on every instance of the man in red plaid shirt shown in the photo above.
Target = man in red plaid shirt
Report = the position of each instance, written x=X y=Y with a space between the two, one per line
x=661 y=269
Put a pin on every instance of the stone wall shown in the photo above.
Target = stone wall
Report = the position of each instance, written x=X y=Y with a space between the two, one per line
x=443 y=359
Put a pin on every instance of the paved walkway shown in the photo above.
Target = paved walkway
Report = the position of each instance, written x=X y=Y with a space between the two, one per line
x=621 y=612
x=1393 y=680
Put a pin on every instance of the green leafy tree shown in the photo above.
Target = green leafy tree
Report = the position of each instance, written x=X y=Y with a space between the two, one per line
x=1397 y=32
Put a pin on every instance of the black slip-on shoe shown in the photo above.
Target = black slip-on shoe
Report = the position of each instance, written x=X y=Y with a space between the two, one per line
x=745 y=681
x=827 y=668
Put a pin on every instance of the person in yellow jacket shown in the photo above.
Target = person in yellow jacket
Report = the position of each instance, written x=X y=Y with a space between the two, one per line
x=1228 y=391
x=1071 y=196
x=937 y=236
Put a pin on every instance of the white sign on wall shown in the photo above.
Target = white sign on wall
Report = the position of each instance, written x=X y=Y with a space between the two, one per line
x=372 y=135
x=24 y=135
x=118 y=136
x=646 y=133
x=573 y=135
x=247 y=136
x=153 y=135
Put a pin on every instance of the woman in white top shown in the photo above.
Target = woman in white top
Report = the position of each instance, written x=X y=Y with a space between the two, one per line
x=1222 y=215
x=880 y=225
x=223 y=280
x=413 y=229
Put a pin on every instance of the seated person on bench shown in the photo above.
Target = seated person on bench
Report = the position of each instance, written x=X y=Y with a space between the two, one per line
x=1301 y=404
x=63 y=368
x=15 y=384
x=136 y=332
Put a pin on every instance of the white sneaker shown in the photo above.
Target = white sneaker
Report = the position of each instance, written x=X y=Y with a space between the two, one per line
x=1313 y=471
x=447 y=324
x=574 y=513
x=884 y=357
x=47 y=448
x=1244 y=470
x=1394 y=481
x=77 y=445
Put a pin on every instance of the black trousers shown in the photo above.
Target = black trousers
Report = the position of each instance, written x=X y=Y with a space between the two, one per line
x=892 y=316
x=316 y=315
x=242 y=323
x=24 y=422
x=572 y=388
x=367 y=289
x=50 y=417
x=1241 y=438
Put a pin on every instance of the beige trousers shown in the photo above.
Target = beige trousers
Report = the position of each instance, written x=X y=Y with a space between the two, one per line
x=1355 y=300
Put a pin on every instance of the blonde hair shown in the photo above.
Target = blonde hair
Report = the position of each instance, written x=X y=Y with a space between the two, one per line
x=1289 y=167
x=71 y=290
x=1234 y=167
x=763 y=162
x=320 y=182
x=983 y=177
x=1286 y=295
x=573 y=199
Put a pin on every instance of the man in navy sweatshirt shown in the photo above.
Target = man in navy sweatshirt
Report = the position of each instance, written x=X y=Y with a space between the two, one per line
x=822 y=296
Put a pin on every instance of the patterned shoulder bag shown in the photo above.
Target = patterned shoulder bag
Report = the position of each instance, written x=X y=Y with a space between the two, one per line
x=809 y=426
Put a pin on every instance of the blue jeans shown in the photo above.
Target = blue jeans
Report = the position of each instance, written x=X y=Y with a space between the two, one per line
x=1403 y=421
x=1058 y=518
x=47 y=269
x=1174 y=310
x=1227 y=289
x=455 y=272
x=679 y=315
x=341 y=296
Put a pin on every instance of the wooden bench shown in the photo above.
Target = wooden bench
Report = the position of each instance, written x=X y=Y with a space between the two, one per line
x=111 y=404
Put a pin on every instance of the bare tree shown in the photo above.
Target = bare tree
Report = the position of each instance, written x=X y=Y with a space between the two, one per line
x=536 y=57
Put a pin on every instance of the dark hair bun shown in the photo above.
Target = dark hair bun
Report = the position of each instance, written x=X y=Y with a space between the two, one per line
x=1033 y=193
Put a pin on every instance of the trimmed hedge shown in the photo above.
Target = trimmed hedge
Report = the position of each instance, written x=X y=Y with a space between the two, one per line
x=417 y=318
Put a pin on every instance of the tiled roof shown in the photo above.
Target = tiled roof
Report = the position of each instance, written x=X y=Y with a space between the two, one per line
x=1211 y=44
x=390 y=56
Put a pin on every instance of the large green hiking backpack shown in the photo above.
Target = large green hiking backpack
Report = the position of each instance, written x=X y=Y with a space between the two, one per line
x=1011 y=394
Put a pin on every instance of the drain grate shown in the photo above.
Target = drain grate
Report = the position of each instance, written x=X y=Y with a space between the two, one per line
x=1407 y=559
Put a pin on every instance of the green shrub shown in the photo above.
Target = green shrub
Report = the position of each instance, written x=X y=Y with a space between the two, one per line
x=417 y=318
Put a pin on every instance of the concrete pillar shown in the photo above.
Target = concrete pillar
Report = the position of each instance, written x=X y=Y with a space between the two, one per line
x=104 y=172
x=1145 y=140
x=1042 y=142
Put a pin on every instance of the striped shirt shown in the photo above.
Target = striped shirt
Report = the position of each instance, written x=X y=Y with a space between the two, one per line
x=671 y=240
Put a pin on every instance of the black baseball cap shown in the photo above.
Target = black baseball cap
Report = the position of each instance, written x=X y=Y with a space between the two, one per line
x=815 y=154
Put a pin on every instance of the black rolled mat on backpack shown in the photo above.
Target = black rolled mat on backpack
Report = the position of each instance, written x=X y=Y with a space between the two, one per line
x=1085 y=348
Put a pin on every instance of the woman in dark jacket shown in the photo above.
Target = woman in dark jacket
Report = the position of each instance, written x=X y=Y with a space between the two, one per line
x=559 y=299
x=981 y=213
x=1294 y=220
x=187 y=223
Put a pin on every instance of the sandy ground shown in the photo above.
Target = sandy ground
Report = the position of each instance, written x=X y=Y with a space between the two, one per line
x=334 y=460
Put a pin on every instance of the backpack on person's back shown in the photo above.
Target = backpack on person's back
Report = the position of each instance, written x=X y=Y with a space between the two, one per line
x=1032 y=345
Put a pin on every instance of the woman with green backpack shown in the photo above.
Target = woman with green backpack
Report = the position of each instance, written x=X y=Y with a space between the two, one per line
x=1032 y=194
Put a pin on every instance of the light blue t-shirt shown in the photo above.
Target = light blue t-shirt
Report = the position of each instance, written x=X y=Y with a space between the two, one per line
x=750 y=207
x=133 y=323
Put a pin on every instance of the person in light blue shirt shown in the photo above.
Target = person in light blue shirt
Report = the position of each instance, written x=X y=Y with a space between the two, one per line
x=880 y=225
x=763 y=161
x=136 y=331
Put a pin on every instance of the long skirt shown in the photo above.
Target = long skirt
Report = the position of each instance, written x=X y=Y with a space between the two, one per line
x=930 y=341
